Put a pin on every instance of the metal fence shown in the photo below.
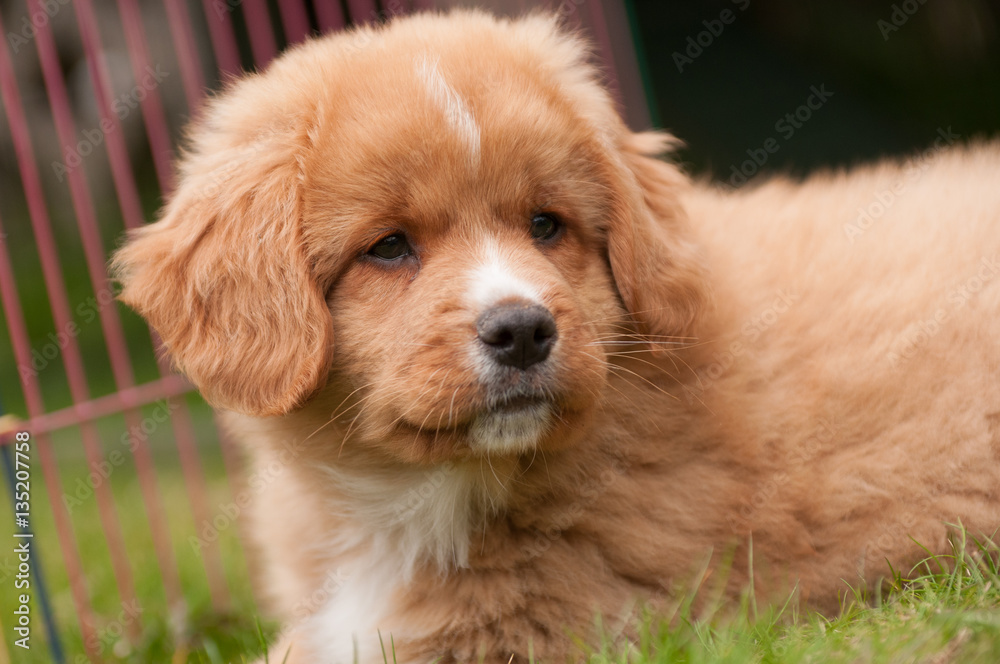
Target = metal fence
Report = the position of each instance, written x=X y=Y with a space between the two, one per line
x=94 y=96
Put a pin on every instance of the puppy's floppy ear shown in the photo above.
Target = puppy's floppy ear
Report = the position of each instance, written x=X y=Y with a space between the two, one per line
x=655 y=262
x=223 y=278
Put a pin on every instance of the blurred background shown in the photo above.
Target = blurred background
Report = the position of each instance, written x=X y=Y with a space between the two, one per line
x=899 y=71
x=137 y=544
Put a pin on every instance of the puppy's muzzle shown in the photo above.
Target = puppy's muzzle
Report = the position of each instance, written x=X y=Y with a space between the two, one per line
x=517 y=334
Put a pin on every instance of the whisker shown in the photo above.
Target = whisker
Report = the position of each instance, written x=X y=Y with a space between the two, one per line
x=429 y=411
x=364 y=404
x=631 y=331
x=634 y=343
x=423 y=389
x=489 y=496
x=337 y=412
x=547 y=474
x=451 y=405
x=645 y=380
x=646 y=362
x=489 y=461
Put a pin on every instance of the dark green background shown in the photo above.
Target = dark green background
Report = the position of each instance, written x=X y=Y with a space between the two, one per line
x=940 y=69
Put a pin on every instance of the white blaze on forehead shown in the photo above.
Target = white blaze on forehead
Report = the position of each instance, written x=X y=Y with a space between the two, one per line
x=459 y=117
x=495 y=279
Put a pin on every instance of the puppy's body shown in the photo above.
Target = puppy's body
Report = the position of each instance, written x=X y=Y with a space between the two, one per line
x=833 y=413
x=727 y=372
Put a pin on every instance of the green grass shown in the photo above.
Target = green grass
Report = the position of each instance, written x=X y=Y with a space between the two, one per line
x=945 y=610
x=196 y=633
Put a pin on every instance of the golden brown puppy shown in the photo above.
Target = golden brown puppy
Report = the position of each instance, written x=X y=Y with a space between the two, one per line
x=501 y=370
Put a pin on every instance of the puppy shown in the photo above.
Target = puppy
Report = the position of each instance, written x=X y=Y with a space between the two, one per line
x=501 y=371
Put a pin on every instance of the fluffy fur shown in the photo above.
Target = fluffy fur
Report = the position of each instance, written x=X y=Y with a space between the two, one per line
x=732 y=370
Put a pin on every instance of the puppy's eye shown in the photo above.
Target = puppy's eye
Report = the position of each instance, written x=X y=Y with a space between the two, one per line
x=391 y=247
x=545 y=226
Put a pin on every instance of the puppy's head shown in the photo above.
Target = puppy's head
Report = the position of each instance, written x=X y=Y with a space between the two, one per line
x=436 y=225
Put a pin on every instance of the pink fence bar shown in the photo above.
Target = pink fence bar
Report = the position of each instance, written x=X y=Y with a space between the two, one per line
x=362 y=11
x=194 y=477
x=220 y=31
x=52 y=274
x=295 y=19
x=94 y=254
x=329 y=15
x=156 y=126
x=194 y=481
x=599 y=30
x=150 y=104
x=88 y=411
x=186 y=52
x=36 y=408
x=121 y=364
x=121 y=168
x=259 y=28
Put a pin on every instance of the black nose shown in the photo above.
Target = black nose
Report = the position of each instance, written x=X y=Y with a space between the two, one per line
x=517 y=335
